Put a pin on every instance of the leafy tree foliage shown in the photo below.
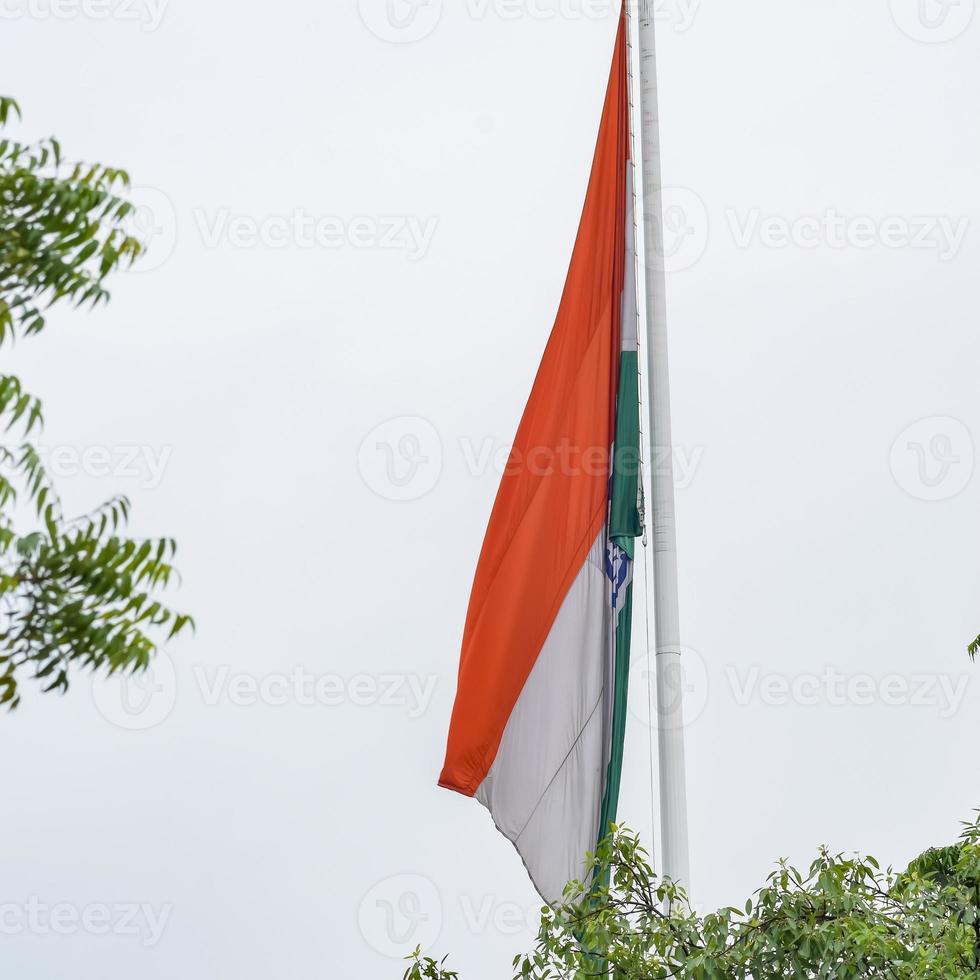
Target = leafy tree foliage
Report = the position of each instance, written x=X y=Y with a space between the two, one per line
x=73 y=592
x=844 y=918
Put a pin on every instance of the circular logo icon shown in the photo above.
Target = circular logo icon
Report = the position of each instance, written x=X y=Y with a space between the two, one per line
x=401 y=21
x=934 y=459
x=399 y=914
x=153 y=223
x=137 y=702
x=680 y=692
x=685 y=229
x=933 y=21
x=401 y=459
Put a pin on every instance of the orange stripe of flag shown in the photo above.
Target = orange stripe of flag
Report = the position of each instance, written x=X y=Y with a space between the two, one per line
x=552 y=501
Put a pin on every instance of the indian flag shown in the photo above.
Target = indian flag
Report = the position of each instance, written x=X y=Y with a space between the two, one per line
x=538 y=725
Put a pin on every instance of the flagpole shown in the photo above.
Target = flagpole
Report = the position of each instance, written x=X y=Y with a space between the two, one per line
x=670 y=709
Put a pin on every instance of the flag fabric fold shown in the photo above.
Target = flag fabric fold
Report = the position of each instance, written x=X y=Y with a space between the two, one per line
x=538 y=724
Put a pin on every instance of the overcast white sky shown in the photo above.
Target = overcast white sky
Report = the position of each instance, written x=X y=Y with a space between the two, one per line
x=349 y=231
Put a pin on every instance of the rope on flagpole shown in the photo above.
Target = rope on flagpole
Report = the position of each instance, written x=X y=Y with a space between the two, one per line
x=651 y=717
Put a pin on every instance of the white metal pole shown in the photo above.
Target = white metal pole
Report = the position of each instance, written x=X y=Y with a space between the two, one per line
x=670 y=687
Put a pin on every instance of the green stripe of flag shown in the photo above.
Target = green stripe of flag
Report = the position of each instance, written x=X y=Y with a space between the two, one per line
x=625 y=525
